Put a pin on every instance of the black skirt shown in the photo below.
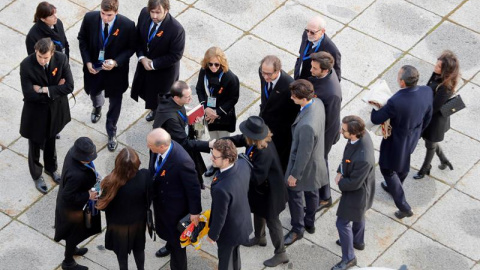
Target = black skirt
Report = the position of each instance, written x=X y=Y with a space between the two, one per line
x=122 y=239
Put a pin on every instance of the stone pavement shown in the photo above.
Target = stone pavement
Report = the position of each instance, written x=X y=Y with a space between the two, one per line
x=375 y=37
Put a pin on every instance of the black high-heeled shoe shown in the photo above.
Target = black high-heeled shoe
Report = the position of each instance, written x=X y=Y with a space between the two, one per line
x=446 y=164
x=421 y=174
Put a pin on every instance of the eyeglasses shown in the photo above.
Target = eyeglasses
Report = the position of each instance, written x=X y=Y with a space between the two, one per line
x=312 y=32
x=214 y=64
x=214 y=157
x=267 y=74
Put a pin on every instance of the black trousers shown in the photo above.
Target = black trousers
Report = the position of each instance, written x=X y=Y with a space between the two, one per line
x=432 y=148
x=114 y=108
x=49 y=157
x=275 y=229
x=178 y=256
x=228 y=257
x=394 y=182
x=299 y=217
x=139 y=257
x=324 y=192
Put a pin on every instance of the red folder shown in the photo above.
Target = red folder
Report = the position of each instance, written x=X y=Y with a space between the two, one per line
x=198 y=111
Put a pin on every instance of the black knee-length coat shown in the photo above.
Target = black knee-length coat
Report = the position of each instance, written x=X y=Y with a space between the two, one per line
x=41 y=30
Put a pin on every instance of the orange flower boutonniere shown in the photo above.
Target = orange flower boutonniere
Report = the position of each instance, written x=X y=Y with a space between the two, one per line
x=221 y=90
x=54 y=72
x=116 y=32
x=348 y=161
x=160 y=33
x=163 y=173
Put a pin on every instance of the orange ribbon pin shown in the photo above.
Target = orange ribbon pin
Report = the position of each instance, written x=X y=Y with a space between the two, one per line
x=116 y=32
x=54 y=72
x=221 y=90
x=347 y=161
x=163 y=173
x=160 y=33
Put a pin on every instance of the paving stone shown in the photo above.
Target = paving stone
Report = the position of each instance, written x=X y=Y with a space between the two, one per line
x=460 y=230
x=289 y=21
x=343 y=10
x=441 y=8
x=464 y=120
x=469 y=183
x=245 y=65
x=4 y=3
x=203 y=31
x=467 y=15
x=476 y=79
x=456 y=147
x=349 y=91
x=425 y=70
x=398 y=23
x=463 y=42
x=91 y=5
x=86 y=262
x=419 y=252
x=11 y=111
x=72 y=34
x=360 y=61
x=188 y=68
x=198 y=259
x=41 y=215
x=419 y=194
x=243 y=14
x=136 y=136
x=477 y=267
x=15 y=54
x=18 y=252
x=67 y=11
x=12 y=79
x=4 y=220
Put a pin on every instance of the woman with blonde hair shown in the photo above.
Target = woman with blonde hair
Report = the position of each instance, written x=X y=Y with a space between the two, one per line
x=218 y=88
x=124 y=200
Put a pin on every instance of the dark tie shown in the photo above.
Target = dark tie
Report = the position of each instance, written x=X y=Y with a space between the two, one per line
x=160 y=159
x=45 y=68
x=152 y=30
x=105 y=32
x=270 y=88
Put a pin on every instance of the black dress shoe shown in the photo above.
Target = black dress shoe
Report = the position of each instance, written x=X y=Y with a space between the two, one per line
x=40 y=185
x=57 y=136
x=444 y=165
x=262 y=241
x=73 y=266
x=310 y=229
x=211 y=171
x=112 y=143
x=355 y=245
x=291 y=237
x=400 y=214
x=55 y=176
x=344 y=265
x=421 y=173
x=324 y=204
x=96 y=114
x=162 y=252
x=150 y=116
x=80 y=251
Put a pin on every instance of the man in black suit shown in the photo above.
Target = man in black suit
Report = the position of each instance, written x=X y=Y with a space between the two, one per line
x=175 y=192
x=356 y=180
x=46 y=81
x=107 y=41
x=327 y=89
x=277 y=108
x=314 y=40
x=230 y=219
x=160 y=44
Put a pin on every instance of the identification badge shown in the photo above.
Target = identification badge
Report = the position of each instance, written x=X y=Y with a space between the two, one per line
x=212 y=102
x=101 y=55
x=186 y=130
x=63 y=50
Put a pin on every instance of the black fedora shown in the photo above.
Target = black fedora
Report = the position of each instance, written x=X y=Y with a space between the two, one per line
x=254 y=128
x=84 y=150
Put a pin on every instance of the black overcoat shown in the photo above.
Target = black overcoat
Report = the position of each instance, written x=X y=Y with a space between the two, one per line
x=327 y=45
x=358 y=181
x=409 y=111
x=126 y=215
x=165 y=50
x=435 y=131
x=279 y=111
x=41 y=30
x=230 y=219
x=175 y=192
x=45 y=115
x=120 y=47
x=77 y=180
x=227 y=94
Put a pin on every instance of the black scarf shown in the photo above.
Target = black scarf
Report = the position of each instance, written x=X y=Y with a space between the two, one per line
x=213 y=78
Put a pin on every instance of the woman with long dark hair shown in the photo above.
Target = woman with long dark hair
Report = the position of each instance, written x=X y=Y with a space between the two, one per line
x=443 y=83
x=124 y=199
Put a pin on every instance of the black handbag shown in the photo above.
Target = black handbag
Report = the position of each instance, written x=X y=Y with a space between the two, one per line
x=452 y=106
x=150 y=224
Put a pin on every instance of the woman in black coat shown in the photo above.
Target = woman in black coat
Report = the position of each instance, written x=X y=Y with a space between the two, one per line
x=267 y=194
x=218 y=89
x=124 y=199
x=47 y=25
x=443 y=83
x=78 y=177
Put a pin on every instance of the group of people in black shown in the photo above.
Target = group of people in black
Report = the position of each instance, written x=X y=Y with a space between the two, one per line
x=286 y=146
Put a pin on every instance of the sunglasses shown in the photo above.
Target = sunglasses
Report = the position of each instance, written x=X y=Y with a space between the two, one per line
x=311 y=32
x=214 y=64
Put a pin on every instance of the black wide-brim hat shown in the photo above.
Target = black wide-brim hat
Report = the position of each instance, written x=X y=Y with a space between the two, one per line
x=84 y=150
x=254 y=128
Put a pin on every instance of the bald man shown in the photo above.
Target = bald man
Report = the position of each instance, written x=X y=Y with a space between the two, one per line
x=175 y=192
x=314 y=39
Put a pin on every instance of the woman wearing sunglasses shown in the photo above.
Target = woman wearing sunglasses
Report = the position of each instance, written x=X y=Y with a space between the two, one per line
x=218 y=89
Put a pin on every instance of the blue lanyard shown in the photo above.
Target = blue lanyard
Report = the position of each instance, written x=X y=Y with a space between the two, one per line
x=266 y=90
x=153 y=32
x=249 y=150
x=316 y=49
x=58 y=43
x=183 y=116
x=105 y=40
x=308 y=105
x=211 y=88
x=159 y=167
x=92 y=166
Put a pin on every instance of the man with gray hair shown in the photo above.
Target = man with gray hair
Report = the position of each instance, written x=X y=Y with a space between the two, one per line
x=409 y=111
x=314 y=39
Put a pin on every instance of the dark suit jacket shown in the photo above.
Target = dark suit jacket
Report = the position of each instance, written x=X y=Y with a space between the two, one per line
x=175 y=192
x=230 y=220
x=409 y=111
x=120 y=47
x=165 y=50
x=328 y=90
x=279 y=112
x=40 y=30
x=43 y=115
x=327 y=45
x=358 y=181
